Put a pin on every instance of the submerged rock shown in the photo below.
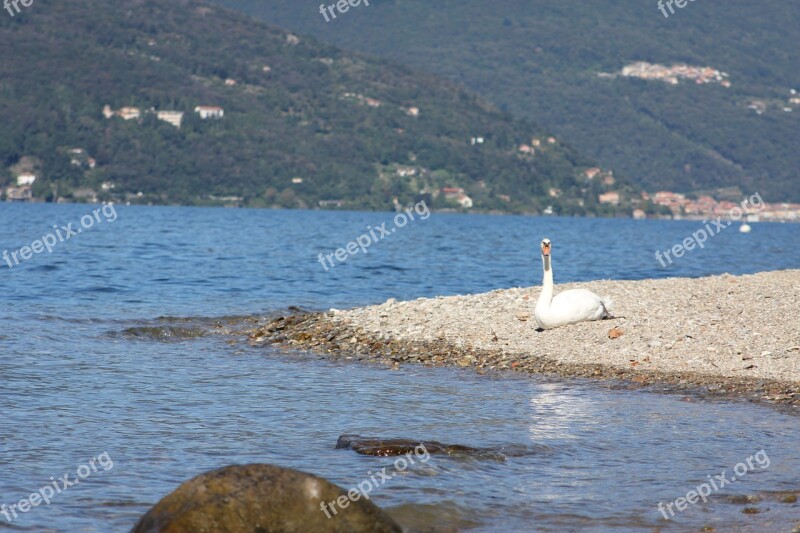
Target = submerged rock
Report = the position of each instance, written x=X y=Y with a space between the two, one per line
x=261 y=498
x=394 y=447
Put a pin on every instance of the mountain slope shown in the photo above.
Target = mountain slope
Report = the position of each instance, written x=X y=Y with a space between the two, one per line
x=304 y=122
x=542 y=60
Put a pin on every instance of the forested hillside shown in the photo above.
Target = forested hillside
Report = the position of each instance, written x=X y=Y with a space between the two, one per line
x=303 y=122
x=558 y=64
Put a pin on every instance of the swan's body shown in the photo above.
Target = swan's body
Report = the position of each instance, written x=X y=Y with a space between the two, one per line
x=569 y=307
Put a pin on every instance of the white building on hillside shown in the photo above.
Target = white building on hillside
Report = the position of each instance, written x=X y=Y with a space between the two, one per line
x=209 y=111
x=172 y=117
x=25 y=179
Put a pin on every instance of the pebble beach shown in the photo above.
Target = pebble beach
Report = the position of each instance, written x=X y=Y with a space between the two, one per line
x=729 y=335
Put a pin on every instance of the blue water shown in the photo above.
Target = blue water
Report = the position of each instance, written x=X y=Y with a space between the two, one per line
x=111 y=343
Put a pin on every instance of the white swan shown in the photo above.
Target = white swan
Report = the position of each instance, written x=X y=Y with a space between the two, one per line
x=569 y=307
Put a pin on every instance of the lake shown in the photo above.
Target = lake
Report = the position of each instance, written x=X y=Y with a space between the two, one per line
x=117 y=342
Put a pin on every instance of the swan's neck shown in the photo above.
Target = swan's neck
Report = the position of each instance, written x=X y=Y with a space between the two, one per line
x=547 y=285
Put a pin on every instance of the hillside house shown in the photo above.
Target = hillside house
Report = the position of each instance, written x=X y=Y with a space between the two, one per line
x=129 y=113
x=591 y=173
x=404 y=172
x=611 y=198
x=457 y=195
x=126 y=113
x=19 y=194
x=26 y=179
x=172 y=117
x=464 y=201
x=209 y=112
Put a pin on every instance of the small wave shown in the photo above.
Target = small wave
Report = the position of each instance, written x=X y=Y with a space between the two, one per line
x=390 y=268
x=46 y=268
x=103 y=289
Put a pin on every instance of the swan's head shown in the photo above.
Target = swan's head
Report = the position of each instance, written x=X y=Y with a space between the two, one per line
x=546 y=246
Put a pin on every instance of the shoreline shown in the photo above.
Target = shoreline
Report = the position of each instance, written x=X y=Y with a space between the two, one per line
x=444 y=211
x=720 y=336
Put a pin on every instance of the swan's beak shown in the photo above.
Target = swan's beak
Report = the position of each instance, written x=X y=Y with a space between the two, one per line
x=546 y=249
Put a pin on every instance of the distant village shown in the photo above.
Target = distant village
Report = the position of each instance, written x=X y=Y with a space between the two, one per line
x=706 y=207
x=675 y=73
x=701 y=76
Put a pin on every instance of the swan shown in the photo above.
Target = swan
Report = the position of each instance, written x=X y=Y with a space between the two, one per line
x=569 y=307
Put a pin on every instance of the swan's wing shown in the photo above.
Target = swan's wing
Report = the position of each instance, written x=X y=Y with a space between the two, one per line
x=579 y=305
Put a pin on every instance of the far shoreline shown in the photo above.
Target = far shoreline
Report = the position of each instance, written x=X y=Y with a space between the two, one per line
x=618 y=216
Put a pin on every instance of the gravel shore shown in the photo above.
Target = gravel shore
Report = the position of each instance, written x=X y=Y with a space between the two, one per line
x=726 y=334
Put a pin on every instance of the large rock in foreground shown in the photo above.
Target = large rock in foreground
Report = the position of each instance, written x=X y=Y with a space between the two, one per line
x=260 y=498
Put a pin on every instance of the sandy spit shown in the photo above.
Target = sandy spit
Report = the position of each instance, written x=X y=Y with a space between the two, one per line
x=730 y=335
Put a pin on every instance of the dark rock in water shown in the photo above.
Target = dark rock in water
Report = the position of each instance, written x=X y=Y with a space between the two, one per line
x=262 y=498
x=165 y=333
x=393 y=447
